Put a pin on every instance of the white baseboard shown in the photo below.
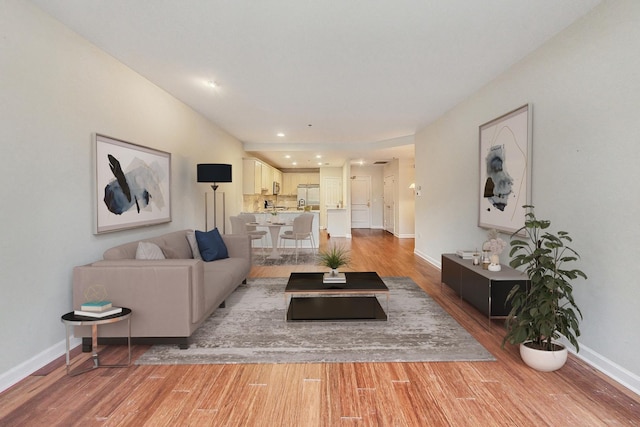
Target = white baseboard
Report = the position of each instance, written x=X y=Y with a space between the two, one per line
x=406 y=236
x=23 y=370
x=345 y=236
x=611 y=369
x=608 y=367
x=434 y=262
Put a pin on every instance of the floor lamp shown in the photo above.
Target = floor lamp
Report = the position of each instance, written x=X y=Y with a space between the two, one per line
x=214 y=172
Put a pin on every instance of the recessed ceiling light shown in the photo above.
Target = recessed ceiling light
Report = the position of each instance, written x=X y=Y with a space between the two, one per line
x=280 y=134
x=212 y=84
x=287 y=156
x=294 y=163
x=318 y=156
x=319 y=163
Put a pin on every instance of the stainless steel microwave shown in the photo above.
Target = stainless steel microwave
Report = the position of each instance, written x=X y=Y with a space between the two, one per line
x=276 y=187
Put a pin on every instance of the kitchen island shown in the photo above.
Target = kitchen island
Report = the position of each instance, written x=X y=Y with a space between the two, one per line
x=286 y=217
x=337 y=222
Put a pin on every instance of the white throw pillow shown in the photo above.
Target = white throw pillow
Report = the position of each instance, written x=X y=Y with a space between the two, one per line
x=195 y=250
x=148 y=250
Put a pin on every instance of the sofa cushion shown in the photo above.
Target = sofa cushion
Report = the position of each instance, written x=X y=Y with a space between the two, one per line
x=170 y=253
x=148 y=250
x=193 y=244
x=211 y=245
x=235 y=269
x=174 y=240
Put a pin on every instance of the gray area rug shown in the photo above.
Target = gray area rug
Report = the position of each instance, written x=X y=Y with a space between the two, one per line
x=252 y=329
x=287 y=258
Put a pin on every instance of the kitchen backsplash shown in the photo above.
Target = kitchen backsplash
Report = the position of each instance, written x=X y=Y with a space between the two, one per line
x=255 y=202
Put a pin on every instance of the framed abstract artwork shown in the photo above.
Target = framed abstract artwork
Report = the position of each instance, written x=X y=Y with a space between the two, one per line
x=133 y=185
x=505 y=170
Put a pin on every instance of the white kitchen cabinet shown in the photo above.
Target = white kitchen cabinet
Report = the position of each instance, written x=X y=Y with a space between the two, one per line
x=311 y=178
x=258 y=177
x=315 y=179
x=277 y=177
x=289 y=185
x=337 y=222
x=291 y=180
x=251 y=176
x=267 y=179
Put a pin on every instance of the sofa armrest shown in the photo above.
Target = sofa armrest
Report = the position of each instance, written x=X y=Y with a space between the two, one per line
x=174 y=287
x=238 y=245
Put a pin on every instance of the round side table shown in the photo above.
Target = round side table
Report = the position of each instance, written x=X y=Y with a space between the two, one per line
x=70 y=319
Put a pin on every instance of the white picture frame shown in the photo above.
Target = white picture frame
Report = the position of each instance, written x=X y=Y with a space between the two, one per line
x=133 y=185
x=505 y=161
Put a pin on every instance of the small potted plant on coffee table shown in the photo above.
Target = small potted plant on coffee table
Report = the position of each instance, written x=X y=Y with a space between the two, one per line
x=547 y=310
x=334 y=258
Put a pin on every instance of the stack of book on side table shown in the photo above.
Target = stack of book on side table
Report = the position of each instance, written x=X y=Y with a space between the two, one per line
x=334 y=278
x=97 y=309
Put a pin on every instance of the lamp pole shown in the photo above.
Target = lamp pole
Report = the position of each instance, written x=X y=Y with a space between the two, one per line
x=214 y=172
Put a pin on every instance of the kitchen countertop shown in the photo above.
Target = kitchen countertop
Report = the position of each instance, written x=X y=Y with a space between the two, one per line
x=284 y=211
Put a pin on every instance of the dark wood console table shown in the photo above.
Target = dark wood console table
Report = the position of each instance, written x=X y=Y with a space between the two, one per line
x=485 y=290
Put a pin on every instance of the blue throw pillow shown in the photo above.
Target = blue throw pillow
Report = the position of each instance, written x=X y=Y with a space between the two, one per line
x=211 y=245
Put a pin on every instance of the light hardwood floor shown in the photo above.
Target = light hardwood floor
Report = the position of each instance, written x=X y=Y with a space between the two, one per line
x=500 y=393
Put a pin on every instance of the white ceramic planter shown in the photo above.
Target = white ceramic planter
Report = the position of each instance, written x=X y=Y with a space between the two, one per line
x=544 y=361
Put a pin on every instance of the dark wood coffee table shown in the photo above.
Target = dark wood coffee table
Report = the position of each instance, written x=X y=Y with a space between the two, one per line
x=308 y=299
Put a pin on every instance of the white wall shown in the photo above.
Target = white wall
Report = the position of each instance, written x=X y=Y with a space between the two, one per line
x=329 y=172
x=403 y=173
x=584 y=86
x=56 y=90
x=406 y=198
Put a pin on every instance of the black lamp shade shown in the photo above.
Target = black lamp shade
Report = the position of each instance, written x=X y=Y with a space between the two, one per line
x=214 y=172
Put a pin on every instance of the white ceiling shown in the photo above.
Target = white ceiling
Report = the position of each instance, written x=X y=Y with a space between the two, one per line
x=347 y=79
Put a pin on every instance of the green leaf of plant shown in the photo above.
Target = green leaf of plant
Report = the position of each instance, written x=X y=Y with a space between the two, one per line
x=547 y=308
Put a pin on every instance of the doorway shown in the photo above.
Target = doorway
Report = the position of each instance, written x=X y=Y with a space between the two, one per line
x=360 y=202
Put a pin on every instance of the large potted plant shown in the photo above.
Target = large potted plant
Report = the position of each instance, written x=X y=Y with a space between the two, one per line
x=546 y=310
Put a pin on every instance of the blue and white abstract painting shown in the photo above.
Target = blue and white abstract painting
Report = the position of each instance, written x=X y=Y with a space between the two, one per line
x=505 y=170
x=132 y=184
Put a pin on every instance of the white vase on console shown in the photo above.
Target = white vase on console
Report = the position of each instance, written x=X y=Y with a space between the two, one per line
x=495 y=263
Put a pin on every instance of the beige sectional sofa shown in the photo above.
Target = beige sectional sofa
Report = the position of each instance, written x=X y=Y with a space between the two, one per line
x=169 y=298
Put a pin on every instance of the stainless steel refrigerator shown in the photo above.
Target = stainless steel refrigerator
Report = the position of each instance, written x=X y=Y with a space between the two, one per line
x=308 y=195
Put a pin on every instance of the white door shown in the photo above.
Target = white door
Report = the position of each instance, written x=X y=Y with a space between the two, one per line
x=332 y=191
x=331 y=195
x=389 y=204
x=361 y=202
